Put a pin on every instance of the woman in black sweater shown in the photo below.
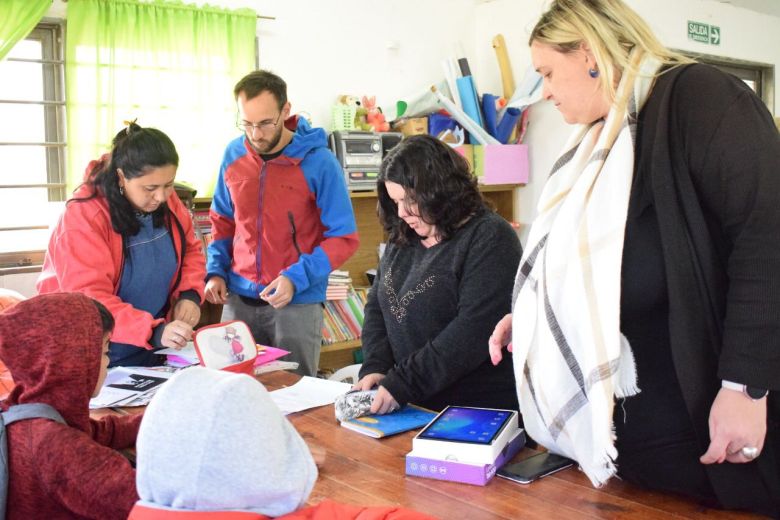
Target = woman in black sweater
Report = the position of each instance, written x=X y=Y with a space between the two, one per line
x=443 y=281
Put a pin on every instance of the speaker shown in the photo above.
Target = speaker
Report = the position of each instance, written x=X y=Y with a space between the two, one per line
x=389 y=140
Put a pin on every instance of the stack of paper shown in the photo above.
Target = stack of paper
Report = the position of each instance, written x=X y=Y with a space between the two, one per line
x=309 y=392
x=129 y=386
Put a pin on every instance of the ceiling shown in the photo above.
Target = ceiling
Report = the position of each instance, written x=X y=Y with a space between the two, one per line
x=770 y=7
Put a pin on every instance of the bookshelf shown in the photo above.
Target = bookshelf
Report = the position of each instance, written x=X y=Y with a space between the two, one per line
x=332 y=357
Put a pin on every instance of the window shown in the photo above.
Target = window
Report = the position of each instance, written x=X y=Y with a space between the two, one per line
x=758 y=76
x=32 y=145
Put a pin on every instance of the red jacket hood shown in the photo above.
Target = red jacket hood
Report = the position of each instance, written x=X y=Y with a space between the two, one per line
x=52 y=345
x=325 y=510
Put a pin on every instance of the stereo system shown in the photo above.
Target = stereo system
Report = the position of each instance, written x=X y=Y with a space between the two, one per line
x=360 y=155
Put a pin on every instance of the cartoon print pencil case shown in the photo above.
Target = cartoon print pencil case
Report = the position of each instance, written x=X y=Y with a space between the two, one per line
x=226 y=346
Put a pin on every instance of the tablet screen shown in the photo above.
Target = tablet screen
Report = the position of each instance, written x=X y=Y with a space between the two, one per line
x=463 y=424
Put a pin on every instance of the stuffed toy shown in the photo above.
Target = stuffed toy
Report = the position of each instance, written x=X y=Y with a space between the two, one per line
x=374 y=116
x=360 y=112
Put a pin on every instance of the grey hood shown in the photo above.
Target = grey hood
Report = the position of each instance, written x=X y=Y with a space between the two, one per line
x=214 y=441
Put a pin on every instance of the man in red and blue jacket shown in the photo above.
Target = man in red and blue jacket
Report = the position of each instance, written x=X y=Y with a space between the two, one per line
x=281 y=222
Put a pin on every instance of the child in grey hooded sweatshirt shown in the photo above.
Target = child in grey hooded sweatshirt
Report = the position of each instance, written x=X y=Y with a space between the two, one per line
x=213 y=444
x=215 y=441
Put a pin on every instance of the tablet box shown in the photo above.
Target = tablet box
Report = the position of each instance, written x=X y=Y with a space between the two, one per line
x=477 y=474
x=467 y=434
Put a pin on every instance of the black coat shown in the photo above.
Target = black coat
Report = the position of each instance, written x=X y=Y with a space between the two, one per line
x=712 y=153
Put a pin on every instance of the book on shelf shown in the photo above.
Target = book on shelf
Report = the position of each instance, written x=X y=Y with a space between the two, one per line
x=201 y=220
x=343 y=319
x=202 y=224
x=339 y=284
x=410 y=417
x=337 y=293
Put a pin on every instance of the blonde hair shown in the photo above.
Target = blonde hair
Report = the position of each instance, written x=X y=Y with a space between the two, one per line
x=610 y=29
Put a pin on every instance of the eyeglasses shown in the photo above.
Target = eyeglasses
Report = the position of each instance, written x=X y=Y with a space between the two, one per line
x=263 y=126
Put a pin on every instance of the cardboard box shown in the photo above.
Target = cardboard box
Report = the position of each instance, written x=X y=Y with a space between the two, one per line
x=476 y=474
x=497 y=163
x=411 y=126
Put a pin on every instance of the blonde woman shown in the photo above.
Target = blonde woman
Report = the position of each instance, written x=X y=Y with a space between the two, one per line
x=646 y=326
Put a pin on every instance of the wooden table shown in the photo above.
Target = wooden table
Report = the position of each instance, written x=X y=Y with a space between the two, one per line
x=361 y=470
x=364 y=471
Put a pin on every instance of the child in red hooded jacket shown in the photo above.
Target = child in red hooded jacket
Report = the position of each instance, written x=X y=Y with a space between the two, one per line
x=55 y=347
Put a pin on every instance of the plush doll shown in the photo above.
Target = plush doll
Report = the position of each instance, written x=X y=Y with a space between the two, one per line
x=374 y=116
x=360 y=112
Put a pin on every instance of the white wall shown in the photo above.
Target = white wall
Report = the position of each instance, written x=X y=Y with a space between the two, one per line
x=381 y=48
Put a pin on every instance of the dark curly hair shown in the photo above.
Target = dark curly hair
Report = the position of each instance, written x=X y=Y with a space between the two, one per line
x=135 y=150
x=436 y=178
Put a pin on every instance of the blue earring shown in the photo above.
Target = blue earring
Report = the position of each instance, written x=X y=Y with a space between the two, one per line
x=593 y=73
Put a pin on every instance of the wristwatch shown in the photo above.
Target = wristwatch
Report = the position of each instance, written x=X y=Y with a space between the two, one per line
x=752 y=392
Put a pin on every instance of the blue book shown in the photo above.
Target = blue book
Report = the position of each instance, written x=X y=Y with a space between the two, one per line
x=410 y=417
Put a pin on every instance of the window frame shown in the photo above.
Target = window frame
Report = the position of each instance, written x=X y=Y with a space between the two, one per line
x=51 y=34
x=762 y=74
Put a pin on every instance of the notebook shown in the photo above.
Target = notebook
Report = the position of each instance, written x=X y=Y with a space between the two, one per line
x=410 y=417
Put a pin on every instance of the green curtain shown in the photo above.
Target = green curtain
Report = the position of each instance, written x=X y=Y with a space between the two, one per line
x=170 y=65
x=17 y=19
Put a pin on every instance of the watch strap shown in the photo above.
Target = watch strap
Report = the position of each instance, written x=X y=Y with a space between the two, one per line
x=752 y=392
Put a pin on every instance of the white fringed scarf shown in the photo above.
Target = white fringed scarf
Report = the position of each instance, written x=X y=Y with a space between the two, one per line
x=570 y=358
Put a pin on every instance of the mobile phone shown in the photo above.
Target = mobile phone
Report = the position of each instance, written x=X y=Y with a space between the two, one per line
x=534 y=467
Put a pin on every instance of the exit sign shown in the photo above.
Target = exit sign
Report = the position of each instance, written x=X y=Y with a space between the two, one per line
x=704 y=33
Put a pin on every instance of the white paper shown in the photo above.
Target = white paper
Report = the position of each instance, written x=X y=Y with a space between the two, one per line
x=309 y=392
x=188 y=353
x=275 y=365
x=129 y=386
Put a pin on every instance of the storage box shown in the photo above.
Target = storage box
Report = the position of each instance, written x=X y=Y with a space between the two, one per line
x=476 y=474
x=497 y=163
x=411 y=126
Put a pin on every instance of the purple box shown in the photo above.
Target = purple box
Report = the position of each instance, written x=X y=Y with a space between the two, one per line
x=477 y=474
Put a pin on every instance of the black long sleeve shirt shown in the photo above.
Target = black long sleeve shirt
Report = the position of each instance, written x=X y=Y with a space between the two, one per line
x=431 y=311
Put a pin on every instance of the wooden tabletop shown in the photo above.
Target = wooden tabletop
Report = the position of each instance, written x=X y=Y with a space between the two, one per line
x=365 y=471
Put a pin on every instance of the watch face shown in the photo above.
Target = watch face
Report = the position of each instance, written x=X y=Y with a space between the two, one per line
x=756 y=393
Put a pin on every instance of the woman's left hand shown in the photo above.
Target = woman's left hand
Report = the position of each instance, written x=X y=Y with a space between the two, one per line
x=187 y=311
x=736 y=422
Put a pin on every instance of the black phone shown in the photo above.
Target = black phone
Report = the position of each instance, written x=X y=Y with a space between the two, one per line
x=534 y=467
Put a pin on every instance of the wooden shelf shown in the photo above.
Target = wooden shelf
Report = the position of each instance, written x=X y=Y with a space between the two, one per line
x=338 y=355
x=342 y=345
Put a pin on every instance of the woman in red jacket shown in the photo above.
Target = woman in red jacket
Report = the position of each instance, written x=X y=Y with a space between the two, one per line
x=127 y=240
x=55 y=347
